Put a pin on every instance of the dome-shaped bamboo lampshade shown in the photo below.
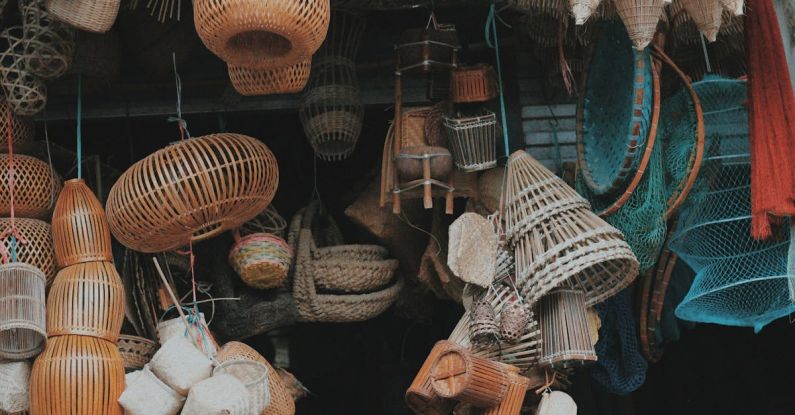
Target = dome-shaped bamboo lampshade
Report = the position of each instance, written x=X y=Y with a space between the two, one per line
x=288 y=79
x=77 y=375
x=22 y=332
x=192 y=190
x=79 y=227
x=86 y=299
x=38 y=251
x=36 y=186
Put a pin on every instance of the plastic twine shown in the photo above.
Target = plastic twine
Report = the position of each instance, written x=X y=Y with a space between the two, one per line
x=492 y=42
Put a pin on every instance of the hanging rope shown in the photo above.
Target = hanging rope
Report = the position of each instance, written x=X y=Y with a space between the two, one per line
x=79 y=127
x=492 y=42
x=11 y=230
x=181 y=123
x=706 y=54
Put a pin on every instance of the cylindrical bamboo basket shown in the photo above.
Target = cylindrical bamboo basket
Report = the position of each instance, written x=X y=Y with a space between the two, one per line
x=90 y=15
x=225 y=180
x=420 y=396
x=640 y=17
x=262 y=34
x=22 y=317
x=24 y=92
x=36 y=186
x=77 y=375
x=473 y=140
x=79 y=226
x=86 y=299
x=15 y=387
x=22 y=129
x=474 y=84
x=288 y=79
x=136 y=351
x=38 y=251
x=460 y=375
x=50 y=43
x=565 y=335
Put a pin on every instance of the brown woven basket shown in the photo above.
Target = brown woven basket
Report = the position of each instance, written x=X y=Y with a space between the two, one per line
x=473 y=140
x=566 y=337
x=288 y=79
x=24 y=92
x=23 y=129
x=86 y=299
x=152 y=210
x=640 y=17
x=36 y=186
x=90 y=15
x=474 y=84
x=79 y=226
x=39 y=250
x=22 y=320
x=458 y=374
x=420 y=396
x=262 y=34
x=50 y=44
x=77 y=375
x=136 y=351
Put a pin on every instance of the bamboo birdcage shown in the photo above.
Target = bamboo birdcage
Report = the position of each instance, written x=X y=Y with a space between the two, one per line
x=22 y=129
x=36 y=186
x=458 y=374
x=90 y=15
x=38 y=251
x=288 y=79
x=566 y=337
x=474 y=84
x=22 y=320
x=79 y=226
x=50 y=43
x=473 y=140
x=77 y=375
x=640 y=17
x=24 y=92
x=262 y=34
x=706 y=14
x=86 y=299
x=152 y=210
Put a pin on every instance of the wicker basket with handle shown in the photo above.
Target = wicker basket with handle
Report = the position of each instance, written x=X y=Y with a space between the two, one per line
x=79 y=226
x=22 y=320
x=90 y=15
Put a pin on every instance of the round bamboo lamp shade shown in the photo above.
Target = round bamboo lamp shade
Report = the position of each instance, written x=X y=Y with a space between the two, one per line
x=23 y=130
x=86 y=299
x=77 y=375
x=90 y=15
x=284 y=80
x=192 y=190
x=262 y=34
x=79 y=226
x=38 y=251
x=22 y=327
x=36 y=186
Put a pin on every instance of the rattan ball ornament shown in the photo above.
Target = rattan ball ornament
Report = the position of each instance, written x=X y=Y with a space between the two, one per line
x=513 y=322
x=50 y=43
x=79 y=227
x=22 y=129
x=22 y=325
x=24 y=92
x=262 y=34
x=288 y=79
x=483 y=328
x=36 y=186
x=224 y=180
x=90 y=15
x=38 y=249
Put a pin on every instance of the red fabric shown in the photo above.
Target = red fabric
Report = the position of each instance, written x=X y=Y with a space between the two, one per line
x=771 y=120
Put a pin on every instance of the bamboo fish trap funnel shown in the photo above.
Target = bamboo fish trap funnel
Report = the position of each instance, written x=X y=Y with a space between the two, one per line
x=640 y=17
x=79 y=226
x=151 y=210
x=77 y=375
x=22 y=320
x=283 y=80
x=39 y=250
x=90 y=15
x=36 y=186
x=50 y=43
x=23 y=129
x=556 y=238
x=707 y=16
x=24 y=92
x=458 y=374
x=566 y=337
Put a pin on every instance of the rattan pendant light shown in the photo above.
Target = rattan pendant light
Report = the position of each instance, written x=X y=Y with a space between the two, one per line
x=262 y=34
x=192 y=190
x=79 y=227
x=90 y=15
x=707 y=16
x=285 y=80
x=640 y=18
x=36 y=187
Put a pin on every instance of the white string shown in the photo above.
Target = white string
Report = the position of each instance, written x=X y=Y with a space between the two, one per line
x=49 y=160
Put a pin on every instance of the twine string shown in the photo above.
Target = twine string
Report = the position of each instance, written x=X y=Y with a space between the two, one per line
x=706 y=54
x=493 y=43
x=181 y=123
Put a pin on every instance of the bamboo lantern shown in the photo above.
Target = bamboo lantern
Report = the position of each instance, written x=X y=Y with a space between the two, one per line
x=77 y=375
x=707 y=16
x=22 y=129
x=22 y=324
x=735 y=7
x=90 y=15
x=224 y=181
x=86 y=299
x=50 y=43
x=640 y=17
x=420 y=396
x=284 y=80
x=566 y=337
x=460 y=375
x=24 y=92
x=262 y=34
x=79 y=226
x=511 y=404
x=36 y=186
x=38 y=251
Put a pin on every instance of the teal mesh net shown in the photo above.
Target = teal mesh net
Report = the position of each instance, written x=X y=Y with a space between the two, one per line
x=739 y=281
x=678 y=132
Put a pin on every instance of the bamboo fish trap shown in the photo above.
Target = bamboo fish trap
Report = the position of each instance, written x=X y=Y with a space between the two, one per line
x=38 y=251
x=566 y=337
x=22 y=320
x=24 y=92
x=640 y=17
x=460 y=375
x=420 y=396
x=288 y=79
x=80 y=228
x=90 y=15
x=36 y=186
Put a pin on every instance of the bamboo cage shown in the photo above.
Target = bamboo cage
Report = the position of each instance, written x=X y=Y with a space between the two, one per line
x=79 y=226
x=566 y=337
x=50 y=43
x=283 y=80
x=22 y=320
x=36 y=186
x=460 y=375
x=38 y=251
x=90 y=15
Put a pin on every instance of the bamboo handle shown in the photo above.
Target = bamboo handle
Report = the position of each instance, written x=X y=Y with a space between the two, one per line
x=174 y=298
x=427 y=192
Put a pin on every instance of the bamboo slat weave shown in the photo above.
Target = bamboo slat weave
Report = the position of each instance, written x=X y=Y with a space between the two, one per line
x=261 y=34
x=86 y=299
x=281 y=400
x=511 y=404
x=25 y=92
x=288 y=79
x=23 y=129
x=136 y=351
x=473 y=140
x=640 y=18
x=22 y=317
x=460 y=375
x=474 y=84
x=707 y=16
x=77 y=375
x=36 y=186
x=420 y=396
x=192 y=190
x=566 y=337
x=50 y=43
x=90 y=15
x=79 y=226
x=38 y=251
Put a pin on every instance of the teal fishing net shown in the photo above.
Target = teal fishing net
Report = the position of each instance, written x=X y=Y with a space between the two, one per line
x=678 y=132
x=739 y=281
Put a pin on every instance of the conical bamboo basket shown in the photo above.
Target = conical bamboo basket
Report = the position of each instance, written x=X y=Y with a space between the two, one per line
x=735 y=7
x=79 y=226
x=707 y=16
x=640 y=17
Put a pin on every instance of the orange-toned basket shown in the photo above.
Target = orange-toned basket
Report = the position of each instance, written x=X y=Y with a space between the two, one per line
x=38 y=251
x=22 y=328
x=36 y=186
x=474 y=84
x=224 y=181
x=86 y=299
x=22 y=129
x=288 y=79
x=458 y=374
x=90 y=15
x=77 y=375
x=79 y=226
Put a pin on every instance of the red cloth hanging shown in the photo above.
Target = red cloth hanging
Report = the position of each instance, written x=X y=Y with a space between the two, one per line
x=771 y=120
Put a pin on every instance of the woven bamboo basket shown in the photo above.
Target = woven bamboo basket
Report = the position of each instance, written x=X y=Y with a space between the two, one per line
x=288 y=79
x=707 y=16
x=281 y=401
x=15 y=386
x=90 y=15
x=735 y=7
x=472 y=249
x=254 y=376
x=483 y=329
x=428 y=48
x=511 y=404
x=220 y=394
x=148 y=395
x=50 y=44
x=261 y=260
x=262 y=34
x=38 y=251
x=460 y=375
x=473 y=84
x=22 y=321
x=566 y=338
x=473 y=140
x=136 y=351
x=22 y=129
x=86 y=299
x=640 y=17
x=24 y=92
x=420 y=396
x=239 y=175
x=79 y=226
x=268 y=221
x=77 y=375
x=180 y=365
x=36 y=186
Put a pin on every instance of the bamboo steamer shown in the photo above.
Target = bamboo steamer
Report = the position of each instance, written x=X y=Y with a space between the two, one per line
x=22 y=326
x=77 y=375
x=36 y=186
x=38 y=251
x=460 y=375
x=79 y=226
x=224 y=181
x=86 y=299
x=420 y=396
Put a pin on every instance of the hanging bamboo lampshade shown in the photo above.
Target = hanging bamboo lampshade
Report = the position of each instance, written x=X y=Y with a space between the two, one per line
x=22 y=328
x=86 y=299
x=79 y=227
x=24 y=92
x=284 y=80
x=50 y=43
x=735 y=7
x=38 y=251
x=36 y=186
x=223 y=181
x=640 y=17
x=707 y=16
x=90 y=15
x=566 y=337
x=262 y=34
x=23 y=129
x=77 y=375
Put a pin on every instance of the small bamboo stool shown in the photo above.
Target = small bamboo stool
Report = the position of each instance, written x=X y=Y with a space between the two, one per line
x=420 y=396
x=565 y=335
x=458 y=374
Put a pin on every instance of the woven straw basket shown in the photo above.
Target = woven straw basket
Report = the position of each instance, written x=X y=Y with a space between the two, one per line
x=77 y=375
x=220 y=394
x=136 y=351
x=36 y=186
x=79 y=226
x=38 y=251
x=151 y=210
x=148 y=395
x=288 y=79
x=24 y=92
x=22 y=129
x=640 y=17
x=50 y=43
x=180 y=365
x=261 y=260
x=22 y=316
x=14 y=387
x=262 y=34
x=474 y=84
x=90 y=15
